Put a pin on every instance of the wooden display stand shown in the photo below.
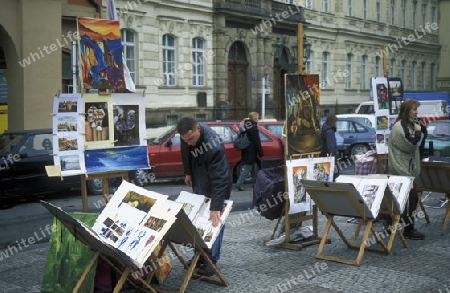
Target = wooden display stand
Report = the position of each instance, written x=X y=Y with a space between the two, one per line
x=434 y=177
x=342 y=199
x=105 y=185
x=314 y=239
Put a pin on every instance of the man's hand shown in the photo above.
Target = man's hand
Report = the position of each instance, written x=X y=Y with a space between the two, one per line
x=214 y=217
x=188 y=180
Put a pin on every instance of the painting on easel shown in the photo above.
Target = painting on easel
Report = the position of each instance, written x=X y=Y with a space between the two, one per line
x=100 y=53
x=303 y=113
x=97 y=130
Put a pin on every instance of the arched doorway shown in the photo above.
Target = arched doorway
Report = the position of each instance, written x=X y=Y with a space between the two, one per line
x=279 y=70
x=237 y=81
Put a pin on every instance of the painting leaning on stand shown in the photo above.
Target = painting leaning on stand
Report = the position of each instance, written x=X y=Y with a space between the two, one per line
x=405 y=142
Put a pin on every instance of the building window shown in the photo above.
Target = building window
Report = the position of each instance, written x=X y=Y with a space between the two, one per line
x=378 y=10
x=392 y=12
x=349 y=71
x=414 y=15
x=198 y=62
x=169 y=73
x=392 y=68
x=350 y=8
x=403 y=70
x=424 y=14
x=324 y=5
x=403 y=13
x=413 y=75
x=377 y=66
x=200 y=117
x=308 y=62
x=325 y=69
x=365 y=9
x=364 y=72
x=422 y=74
x=172 y=119
x=309 y=4
x=129 y=51
x=433 y=16
x=433 y=77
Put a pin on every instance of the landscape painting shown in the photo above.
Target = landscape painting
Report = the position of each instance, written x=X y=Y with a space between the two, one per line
x=100 y=53
x=112 y=159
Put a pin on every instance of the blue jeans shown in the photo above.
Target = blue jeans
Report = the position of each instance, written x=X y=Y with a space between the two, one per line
x=245 y=170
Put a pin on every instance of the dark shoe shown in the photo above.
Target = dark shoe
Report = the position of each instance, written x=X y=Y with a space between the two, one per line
x=239 y=188
x=200 y=263
x=413 y=234
x=206 y=271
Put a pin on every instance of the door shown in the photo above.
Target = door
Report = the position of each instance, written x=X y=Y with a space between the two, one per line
x=279 y=92
x=237 y=82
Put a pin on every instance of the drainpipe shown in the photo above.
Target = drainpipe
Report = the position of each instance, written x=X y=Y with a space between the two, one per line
x=97 y=7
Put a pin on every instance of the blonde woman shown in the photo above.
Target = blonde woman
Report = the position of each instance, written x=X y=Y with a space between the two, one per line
x=249 y=155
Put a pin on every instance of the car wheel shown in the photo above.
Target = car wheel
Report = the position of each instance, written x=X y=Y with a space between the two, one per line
x=359 y=149
x=94 y=186
x=142 y=177
x=247 y=179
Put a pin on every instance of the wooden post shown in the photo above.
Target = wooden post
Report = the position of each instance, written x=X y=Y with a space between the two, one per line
x=301 y=68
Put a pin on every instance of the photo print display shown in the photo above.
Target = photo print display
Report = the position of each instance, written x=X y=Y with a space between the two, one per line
x=395 y=95
x=98 y=118
x=119 y=158
x=320 y=169
x=129 y=119
x=303 y=113
x=100 y=53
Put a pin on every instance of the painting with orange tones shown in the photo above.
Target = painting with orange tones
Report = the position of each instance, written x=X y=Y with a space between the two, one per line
x=100 y=53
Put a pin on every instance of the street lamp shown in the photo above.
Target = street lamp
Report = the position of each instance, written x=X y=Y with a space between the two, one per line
x=277 y=48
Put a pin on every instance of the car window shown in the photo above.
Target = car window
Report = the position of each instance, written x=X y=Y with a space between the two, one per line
x=176 y=140
x=226 y=133
x=438 y=129
x=275 y=129
x=37 y=144
x=264 y=137
x=8 y=142
x=359 y=128
x=344 y=126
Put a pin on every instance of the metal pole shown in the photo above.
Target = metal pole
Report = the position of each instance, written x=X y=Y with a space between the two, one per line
x=74 y=67
x=300 y=49
x=263 y=101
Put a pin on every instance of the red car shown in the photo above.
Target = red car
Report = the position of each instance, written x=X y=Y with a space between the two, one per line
x=165 y=156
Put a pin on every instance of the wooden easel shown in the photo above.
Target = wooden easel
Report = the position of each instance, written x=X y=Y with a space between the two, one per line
x=434 y=177
x=314 y=239
x=342 y=199
x=105 y=176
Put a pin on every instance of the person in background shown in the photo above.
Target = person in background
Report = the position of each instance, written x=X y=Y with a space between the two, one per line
x=249 y=155
x=207 y=171
x=329 y=145
x=404 y=158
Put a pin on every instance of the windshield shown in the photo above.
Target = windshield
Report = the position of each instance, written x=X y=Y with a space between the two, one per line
x=159 y=135
x=7 y=143
x=438 y=129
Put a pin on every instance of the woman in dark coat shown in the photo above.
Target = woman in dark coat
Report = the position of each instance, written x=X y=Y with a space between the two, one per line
x=250 y=154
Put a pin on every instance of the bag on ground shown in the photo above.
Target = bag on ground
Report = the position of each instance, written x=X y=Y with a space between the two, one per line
x=242 y=141
x=268 y=192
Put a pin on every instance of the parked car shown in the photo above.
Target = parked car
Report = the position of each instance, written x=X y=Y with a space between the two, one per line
x=165 y=156
x=439 y=135
x=276 y=127
x=353 y=137
x=368 y=119
x=24 y=155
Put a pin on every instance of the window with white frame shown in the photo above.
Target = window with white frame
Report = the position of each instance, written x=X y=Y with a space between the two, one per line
x=424 y=14
x=364 y=72
x=325 y=69
x=365 y=9
x=324 y=5
x=422 y=74
x=433 y=16
x=308 y=62
x=433 y=77
x=392 y=12
x=377 y=66
x=129 y=51
x=350 y=8
x=378 y=10
x=403 y=70
x=403 y=13
x=414 y=15
x=168 y=47
x=392 y=67
x=198 y=62
x=309 y=4
x=413 y=75
x=349 y=71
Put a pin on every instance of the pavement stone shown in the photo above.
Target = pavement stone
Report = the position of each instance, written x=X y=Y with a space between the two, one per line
x=250 y=266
